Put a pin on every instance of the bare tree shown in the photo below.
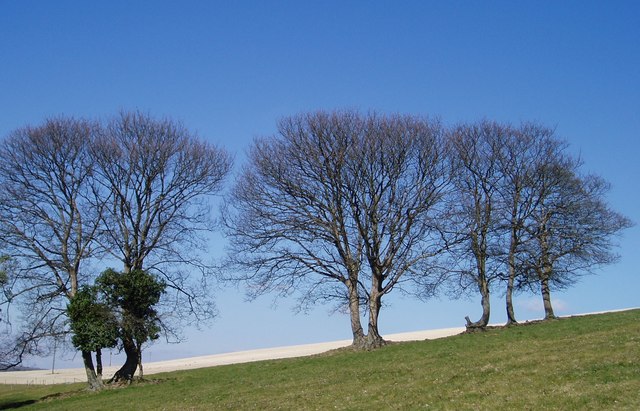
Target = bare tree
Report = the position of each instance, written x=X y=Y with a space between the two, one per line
x=48 y=221
x=5 y=287
x=6 y=359
x=396 y=181
x=161 y=178
x=338 y=206
x=288 y=217
x=477 y=207
x=522 y=152
x=571 y=229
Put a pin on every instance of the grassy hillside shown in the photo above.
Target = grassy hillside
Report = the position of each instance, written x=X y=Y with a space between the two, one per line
x=590 y=362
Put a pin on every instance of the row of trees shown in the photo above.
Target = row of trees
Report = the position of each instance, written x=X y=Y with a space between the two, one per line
x=76 y=193
x=339 y=206
x=526 y=216
x=348 y=207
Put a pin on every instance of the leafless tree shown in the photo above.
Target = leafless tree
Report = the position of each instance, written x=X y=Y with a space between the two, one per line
x=161 y=179
x=397 y=178
x=48 y=221
x=521 y=153
x=289 y=221
x=572 y=228
x=338 y=206
x=477 y=206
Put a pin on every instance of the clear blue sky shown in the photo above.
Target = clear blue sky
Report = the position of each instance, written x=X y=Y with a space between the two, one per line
x=230 y=70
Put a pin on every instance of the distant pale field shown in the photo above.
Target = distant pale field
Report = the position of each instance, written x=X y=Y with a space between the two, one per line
x=70 y=375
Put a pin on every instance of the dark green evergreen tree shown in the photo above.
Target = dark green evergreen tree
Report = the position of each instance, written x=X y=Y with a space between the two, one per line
x=133 y=296
x=94 y=326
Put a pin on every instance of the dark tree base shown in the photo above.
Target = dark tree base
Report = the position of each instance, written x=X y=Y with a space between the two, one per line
x=475 y=326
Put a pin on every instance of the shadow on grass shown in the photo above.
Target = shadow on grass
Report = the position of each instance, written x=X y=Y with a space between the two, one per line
x=19 y=404
x=13 y=405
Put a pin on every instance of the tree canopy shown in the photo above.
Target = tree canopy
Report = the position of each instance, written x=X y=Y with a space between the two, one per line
x=135 y=188
x=132 y=297
x=339 y=206
x=92 y=321
x=48 y=222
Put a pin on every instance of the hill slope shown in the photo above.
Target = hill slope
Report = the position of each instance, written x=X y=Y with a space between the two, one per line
x=590 y=362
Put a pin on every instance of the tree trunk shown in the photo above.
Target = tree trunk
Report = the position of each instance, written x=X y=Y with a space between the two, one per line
x=141 y=371
x=544 y=273
x=478 y=244
x=513 y=249
x=99 y=363
x=482 y=323
x=127 y=371
x=92 y=379
x=373 y=338
x=354 y=312
x=511 y=316
x=546 y=297
x=513 y=243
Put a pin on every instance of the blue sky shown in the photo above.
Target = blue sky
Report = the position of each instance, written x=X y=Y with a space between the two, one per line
x=230 y=71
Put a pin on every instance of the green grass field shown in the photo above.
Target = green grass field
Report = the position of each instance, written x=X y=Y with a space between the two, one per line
x=579 y=363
